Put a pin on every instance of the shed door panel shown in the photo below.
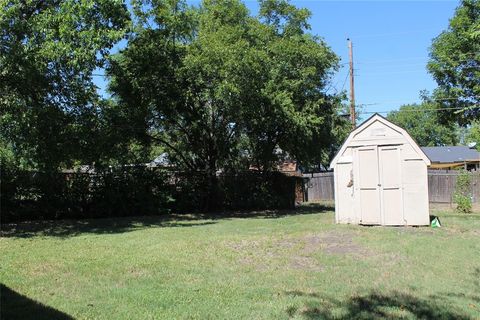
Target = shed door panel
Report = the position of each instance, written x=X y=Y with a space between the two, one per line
x=368 y=168
x=370 y=209
x=391 y=185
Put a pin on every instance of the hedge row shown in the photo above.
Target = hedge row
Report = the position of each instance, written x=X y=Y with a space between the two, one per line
x=27 y=195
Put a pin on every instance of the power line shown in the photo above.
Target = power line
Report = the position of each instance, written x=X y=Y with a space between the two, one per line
x=463 y=57
x=345 y=81
x=392 y=60
x=396 y=65
x=388 y=73
x=150 y=126
x=377 y=35
x=404 y=101
x=422 y=110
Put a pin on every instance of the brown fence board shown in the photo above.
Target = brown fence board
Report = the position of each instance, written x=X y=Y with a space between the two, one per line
x=320 y=186
x=441 y=186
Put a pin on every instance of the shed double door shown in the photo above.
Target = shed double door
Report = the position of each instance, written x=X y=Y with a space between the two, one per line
x=379 y=185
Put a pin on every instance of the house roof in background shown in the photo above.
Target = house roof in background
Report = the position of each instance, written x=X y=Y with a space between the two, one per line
x=451 y=154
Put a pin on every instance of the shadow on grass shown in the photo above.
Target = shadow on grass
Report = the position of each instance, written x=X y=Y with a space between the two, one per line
x=394 y=305
x=70 y=228
x=306 y=208
x=17 y=306
x=474 y=298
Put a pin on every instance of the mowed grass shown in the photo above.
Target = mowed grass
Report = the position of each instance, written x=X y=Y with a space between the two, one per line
x=268 y=265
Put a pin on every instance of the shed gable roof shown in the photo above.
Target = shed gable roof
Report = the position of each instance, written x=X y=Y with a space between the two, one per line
x=367 y=123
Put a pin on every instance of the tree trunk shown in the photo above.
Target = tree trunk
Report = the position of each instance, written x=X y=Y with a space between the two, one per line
x=212 y=192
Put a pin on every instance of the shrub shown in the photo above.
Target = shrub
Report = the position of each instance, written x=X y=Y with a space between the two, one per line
x=29 y=195
x=462 y=195
x=131 y=191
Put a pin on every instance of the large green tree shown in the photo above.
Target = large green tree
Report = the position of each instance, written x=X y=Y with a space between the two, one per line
x=455 y=65
x=423 y=125
x=473 y=134
x=220 y=89
x=49 y=50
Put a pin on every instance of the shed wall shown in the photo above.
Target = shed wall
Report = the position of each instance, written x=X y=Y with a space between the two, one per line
x=344 y=188
x=415 y=192
x=388 y=173
x=344 y=204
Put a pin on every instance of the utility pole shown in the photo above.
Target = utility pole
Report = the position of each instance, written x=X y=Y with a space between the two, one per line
x=352 y=85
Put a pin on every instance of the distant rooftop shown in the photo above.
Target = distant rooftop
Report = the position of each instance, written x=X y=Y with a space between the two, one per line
x=451 y=154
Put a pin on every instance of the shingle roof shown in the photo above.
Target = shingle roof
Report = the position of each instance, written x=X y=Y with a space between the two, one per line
x=451 y=154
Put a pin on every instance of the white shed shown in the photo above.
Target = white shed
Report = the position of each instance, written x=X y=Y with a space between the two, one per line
x=381 y=177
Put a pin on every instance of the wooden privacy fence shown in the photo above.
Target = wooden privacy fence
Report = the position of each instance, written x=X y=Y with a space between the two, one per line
x=319 y=186
x=441 y=186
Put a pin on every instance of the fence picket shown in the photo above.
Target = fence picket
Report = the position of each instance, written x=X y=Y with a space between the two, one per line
x=441 y=186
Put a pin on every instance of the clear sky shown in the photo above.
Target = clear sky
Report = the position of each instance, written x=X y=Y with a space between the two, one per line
x=390 y=39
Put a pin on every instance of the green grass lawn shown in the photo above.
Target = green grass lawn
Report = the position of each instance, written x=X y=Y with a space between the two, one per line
x=265 y=266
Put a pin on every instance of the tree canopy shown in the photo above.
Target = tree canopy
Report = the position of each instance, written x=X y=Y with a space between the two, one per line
x=473 y=134
x=423 y=125
x=219 y=89
x=48 y=101
x=455 y=64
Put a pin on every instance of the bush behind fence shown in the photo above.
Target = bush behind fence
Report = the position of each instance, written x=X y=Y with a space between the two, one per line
x=27 y=195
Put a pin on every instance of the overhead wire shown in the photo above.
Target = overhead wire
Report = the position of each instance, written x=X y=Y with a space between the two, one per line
x=345 y=81
x=388 y=73
x=422 y=110
x=404 y=101
x=435 y=99
x=378 y=35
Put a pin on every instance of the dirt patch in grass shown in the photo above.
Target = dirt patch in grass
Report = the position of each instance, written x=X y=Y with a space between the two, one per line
x=266 y=253
x=305 y=263
x=138 y=273
x=341 y=243
x=475 y=233
x=44 y=269
x=245 y=245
